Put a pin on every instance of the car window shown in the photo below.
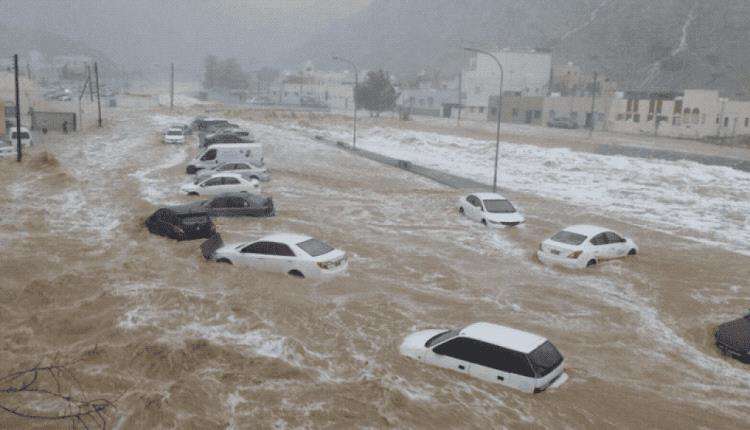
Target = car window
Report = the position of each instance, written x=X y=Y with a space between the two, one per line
x=487 y=355
x=545 y=358
x=236 y=202
x=568 y=238
x=315 y=247
x=281 y=249
x=231 y=181
x=499 y=206
x=599 y=239
x=442 y=337
x=241 y=166
x=219 y=202
x=212 y=182
x=257 y=248
x=209 y=155
x=613 y=237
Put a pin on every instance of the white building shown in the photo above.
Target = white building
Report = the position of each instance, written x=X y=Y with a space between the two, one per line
x=692 y=114
x=526 y=73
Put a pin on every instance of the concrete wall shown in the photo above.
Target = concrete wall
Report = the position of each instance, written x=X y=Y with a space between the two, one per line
x=53 y=121
x=577 y=108
x=515 y=109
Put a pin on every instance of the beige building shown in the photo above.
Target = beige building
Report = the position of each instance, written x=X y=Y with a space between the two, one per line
x=692 y=114
x=2 y=118
x=578 y=109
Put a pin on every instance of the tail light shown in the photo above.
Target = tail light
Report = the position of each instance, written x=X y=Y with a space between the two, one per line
x=575 y=254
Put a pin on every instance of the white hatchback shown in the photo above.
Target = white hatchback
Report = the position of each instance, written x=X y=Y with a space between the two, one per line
x=221 y=183
x=581 y=246
x=490 y=209
x=293 y=254
x=174 y=135
x=493 y=353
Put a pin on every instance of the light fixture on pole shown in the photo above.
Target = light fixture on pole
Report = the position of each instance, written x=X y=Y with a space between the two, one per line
x=499 y=106
x=356 y=85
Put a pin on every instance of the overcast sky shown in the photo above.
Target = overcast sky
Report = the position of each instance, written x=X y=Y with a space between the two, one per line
x=183 y=31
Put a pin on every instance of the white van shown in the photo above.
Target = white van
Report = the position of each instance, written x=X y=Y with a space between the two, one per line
x=25 y=136
x=227 y=153
x=493 y=353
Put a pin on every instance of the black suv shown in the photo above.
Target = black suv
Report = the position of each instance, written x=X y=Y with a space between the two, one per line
x=733 y=338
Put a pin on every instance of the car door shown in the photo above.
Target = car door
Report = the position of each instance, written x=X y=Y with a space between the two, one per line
x=230 y=185
x=599 y=246
x=219 y=206
x=236 y=206
x=256 y=256
x=496 y=364
x=453 y=354
x=281 y=258
x=617 y=245
x=211 y=186
x=474 y=210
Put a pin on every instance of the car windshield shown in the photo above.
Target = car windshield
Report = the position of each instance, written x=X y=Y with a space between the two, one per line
x=194 y=219
x=545 y=358
x=24 y=135
x=174 y=133
x=315 y=247
x=442 y=337
x=499 y=206
x=569 y=238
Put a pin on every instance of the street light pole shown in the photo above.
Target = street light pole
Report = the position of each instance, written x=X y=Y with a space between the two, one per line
x=356 y=85
x=499 y=106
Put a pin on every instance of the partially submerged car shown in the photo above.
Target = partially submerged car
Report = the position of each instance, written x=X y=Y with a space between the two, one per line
x=563 y=122
x=221 y=183
x=26 y=139
x=733 y=338
x=492 y=353
x=234 y=204
x=248 y=170
x=581 y=246
x=490 y=209
x=294 y=254
x=181 y=223
x=224 y=137
x=174 y=135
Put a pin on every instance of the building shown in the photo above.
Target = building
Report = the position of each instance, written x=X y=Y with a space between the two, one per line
x=526 y=73
x=578 y=109
x=691 y=114
x=427 y=101
x=310 y=86
x=517 y=109
x=2 y=119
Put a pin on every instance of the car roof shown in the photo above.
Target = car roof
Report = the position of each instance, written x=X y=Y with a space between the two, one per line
x=505 y=337
x=227 y=174
x=288 y=238
x=245 y=196
x=233 y=145
x=489 y=196
x=586 y=229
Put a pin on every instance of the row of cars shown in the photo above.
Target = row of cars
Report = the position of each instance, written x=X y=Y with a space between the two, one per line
x=230 y=167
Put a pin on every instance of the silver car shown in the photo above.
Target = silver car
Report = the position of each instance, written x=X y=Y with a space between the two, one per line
x=248 y=170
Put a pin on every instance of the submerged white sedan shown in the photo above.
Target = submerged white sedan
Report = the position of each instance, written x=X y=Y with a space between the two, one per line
x=493 y=353
x=221 y=183
x=581 y=246
x=490 y=209
x=293 y=254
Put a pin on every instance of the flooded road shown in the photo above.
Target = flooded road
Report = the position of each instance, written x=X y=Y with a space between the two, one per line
x=185 y=343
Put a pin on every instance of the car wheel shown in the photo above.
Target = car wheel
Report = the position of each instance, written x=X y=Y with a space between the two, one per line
x=632 y=252
x=224 y=260
x=296 y=273
x=484 y=222
x=461 y=210
x=192 y=193
x=255 y=177
x=591 y=262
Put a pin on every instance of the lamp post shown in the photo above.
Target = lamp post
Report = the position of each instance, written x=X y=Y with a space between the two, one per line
x=356 y=84
x=499 y=105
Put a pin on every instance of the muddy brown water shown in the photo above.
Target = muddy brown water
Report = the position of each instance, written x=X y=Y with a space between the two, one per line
x=184 y=343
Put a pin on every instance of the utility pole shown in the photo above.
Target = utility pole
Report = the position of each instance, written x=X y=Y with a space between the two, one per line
x=499 y=106
x=458 y=119
x=171 y=88
x=18 y=110
x=91 y=87
x=593 y=104
x=80 y=103
x=28 y=71
x=354 y=93
x=98 y=95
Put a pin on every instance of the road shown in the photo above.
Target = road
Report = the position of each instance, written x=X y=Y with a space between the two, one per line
x=185 y=343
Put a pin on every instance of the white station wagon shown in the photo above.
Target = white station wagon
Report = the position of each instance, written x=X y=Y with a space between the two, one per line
x=493 y=353
x=490 y=209
x=293 y=254
x=581 y=246
x=221 y=183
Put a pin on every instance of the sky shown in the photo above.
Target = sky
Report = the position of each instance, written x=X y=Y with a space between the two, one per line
x=148 y=33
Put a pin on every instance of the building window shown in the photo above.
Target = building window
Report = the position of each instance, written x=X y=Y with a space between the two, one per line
x=676 y=120
x=650 y=117
x=537 y=114
x=552 y=114
x=717 y=119
x=481 y=110
x=637 y=118
x=677 y=107
x=651 y=107
x=635 y=105
x=515 y=114
x=620 y=117
x=726 y=121
x=747 y=122
x=658 y=106
x=574 y=115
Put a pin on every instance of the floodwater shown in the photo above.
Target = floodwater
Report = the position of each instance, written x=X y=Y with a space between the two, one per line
x=179 y=342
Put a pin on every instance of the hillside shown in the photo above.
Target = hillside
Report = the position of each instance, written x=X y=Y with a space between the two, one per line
x=671 y=44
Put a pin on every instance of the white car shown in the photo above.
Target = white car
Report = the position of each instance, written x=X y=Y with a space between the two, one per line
x=221 y=183
x=26 y=139
x=493 y=353
x=248 y=170
x=490 y=209
x=174 y=135
x=581 y=246
x=293 y=254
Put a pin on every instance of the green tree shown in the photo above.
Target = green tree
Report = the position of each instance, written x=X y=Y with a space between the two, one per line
x=376 y=94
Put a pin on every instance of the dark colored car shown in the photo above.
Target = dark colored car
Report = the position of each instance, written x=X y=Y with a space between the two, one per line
x=233 y=204
x=223 y=138
x=181 y=223
x=562 y=123
x=733 y=338
x=205 y=124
